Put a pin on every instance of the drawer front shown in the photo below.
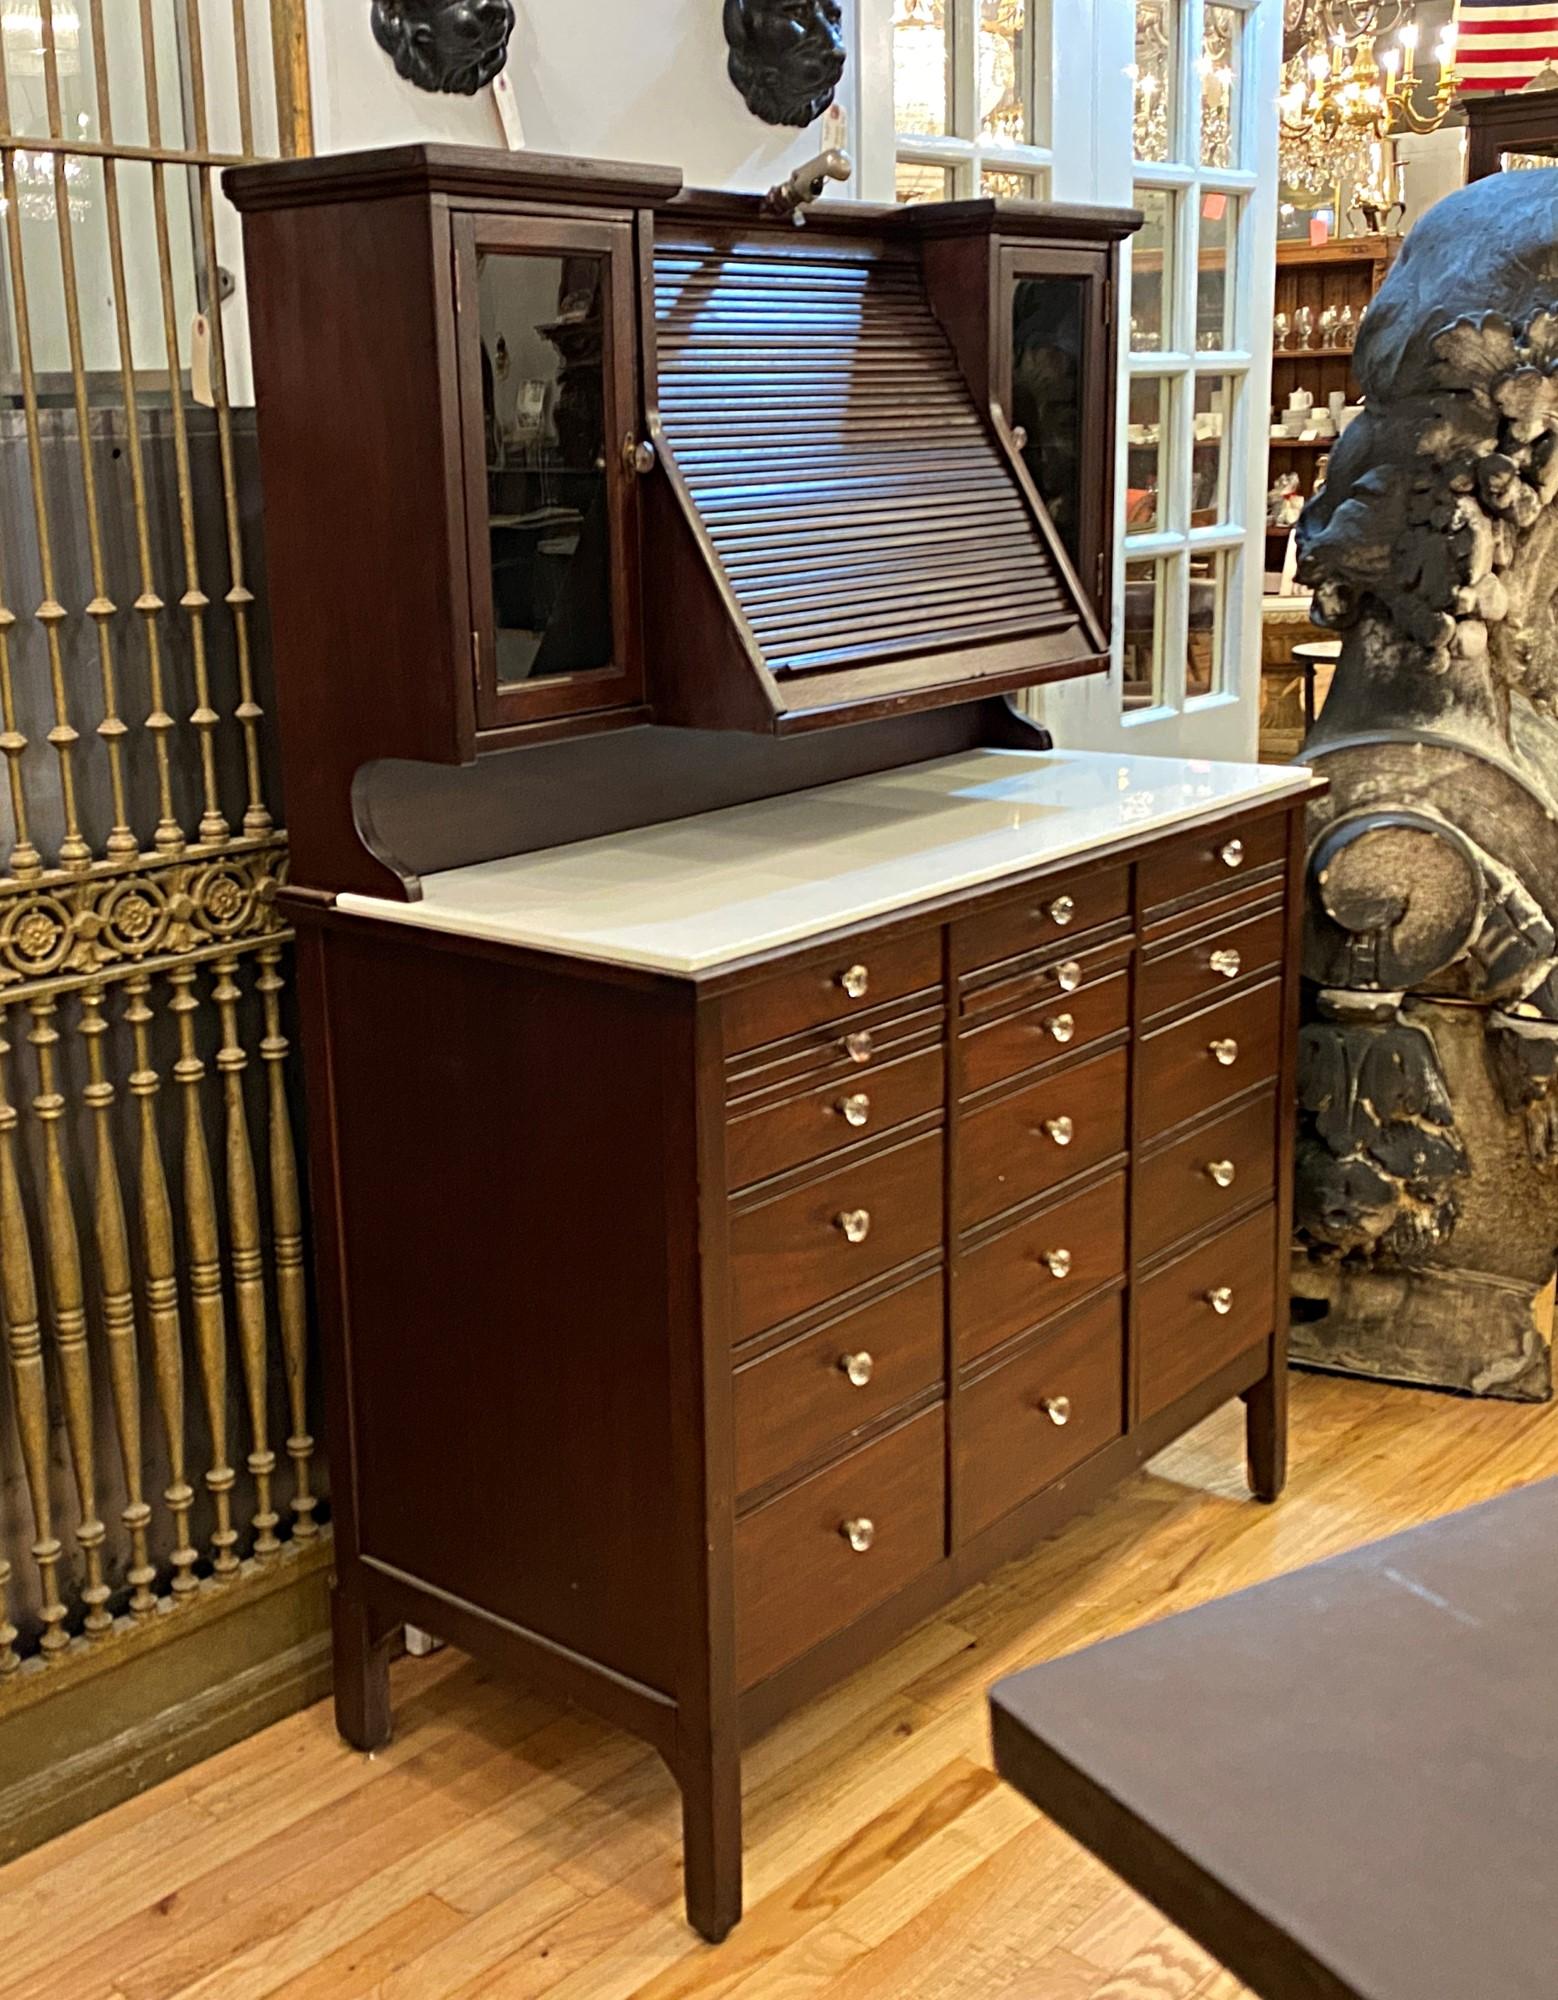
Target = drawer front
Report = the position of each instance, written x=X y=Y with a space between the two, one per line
x=855 y=1370
x=1036 y=1270
x=1212 y=860
x=1200 y=1063
x=1039 y=1415
x=1233 y=951
x=846 y=1108
x=1040 y=1135
x=790 y=1253
x=1047 y=916
x=1218 y=1169
x=1206 y=1309
x=1021 y=1040
x=799 y=1576
x=857 y=977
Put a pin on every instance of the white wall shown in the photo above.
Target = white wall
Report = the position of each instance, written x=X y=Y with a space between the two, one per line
x=606 y=79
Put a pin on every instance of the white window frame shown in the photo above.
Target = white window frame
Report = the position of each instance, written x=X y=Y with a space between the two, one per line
x=1088 y=50
x=962 y=153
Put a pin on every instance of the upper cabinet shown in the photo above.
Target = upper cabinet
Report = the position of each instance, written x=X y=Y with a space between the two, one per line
x=553 y=446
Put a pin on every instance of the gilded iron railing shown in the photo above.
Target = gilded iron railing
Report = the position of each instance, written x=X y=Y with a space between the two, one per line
x=158 y=1443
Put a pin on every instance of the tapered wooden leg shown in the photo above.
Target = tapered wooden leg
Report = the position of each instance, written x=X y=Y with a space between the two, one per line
x=1266 y=1433
x=361 y=1652
x=711 y=1842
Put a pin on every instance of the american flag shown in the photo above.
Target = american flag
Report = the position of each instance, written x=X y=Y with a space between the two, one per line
x=1501 y=44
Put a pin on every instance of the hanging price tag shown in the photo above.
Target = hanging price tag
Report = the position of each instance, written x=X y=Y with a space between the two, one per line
x=835 y=128
x=200 y=363
x=508 y=111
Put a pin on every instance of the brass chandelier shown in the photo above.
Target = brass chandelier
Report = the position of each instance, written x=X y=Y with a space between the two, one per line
x=1343 y=91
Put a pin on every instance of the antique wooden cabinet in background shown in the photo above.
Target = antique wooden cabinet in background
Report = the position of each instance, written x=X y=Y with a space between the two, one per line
x=783 y=1135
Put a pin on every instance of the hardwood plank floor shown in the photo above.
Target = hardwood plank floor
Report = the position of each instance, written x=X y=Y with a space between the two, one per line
x=506 y=1849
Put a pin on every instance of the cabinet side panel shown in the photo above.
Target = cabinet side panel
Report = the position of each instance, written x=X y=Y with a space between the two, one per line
x=504 y=1188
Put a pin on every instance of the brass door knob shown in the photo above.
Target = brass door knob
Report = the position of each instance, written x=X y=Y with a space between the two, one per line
x=855 y=1223
x=1057 y=1409
x=1070 y=976
x=639 y=456
x=1221 y=1300
x=1061 y=1130
x=1227 y=964
x=1233 y=854
x=1063 y=1027
x=1059 y=1262
x=1222 y=1172
x=856 y=982
x=1226 y=1051
x=859 y=1047
x=859 y=1534
x=1019 y=438
x=858 y=1367
x=855 y=1109
x=1063 y=909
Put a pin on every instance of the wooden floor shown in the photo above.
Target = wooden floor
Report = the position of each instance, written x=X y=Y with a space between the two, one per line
x=508 y=1849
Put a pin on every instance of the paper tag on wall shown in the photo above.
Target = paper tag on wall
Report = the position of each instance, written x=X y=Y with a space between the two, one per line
x=508 y=111
x=200 y=363
x=835 y=128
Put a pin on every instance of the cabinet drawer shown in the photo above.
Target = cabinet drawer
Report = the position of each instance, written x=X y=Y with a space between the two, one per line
x=1218 y=1169
x=1198 y=1063
x=1205 y=1309
x=1234 y=950
x=851 y=1104
x=857 y=977
x=799 y=1577
x=1048 y=915
x=855 y=1370
x=1215 y=858
x=1030 y=1421
x=1022 y=1039
x=1040 y=1135
x=1037 y=1269
x=793 y=1251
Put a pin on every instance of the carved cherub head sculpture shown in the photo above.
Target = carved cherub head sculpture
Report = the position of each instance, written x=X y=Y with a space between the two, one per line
x=450 y=45
x=786 y=56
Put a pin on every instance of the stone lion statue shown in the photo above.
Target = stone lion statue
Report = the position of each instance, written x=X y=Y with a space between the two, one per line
x=1428 y=1152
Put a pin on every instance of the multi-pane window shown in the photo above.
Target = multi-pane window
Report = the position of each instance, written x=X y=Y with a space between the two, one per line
x=971 y=98
x=1188 y=356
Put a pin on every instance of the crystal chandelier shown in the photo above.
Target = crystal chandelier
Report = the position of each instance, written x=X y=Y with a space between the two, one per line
x=1345 y=93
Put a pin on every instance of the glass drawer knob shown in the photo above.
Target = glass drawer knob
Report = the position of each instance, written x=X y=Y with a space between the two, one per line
x=1226 y=1051
x=1063 y=1027
x=1019 y=438
x=856 y=1108
x=1061 y=1130
x=858 y=1367
x=1222 y=1172
x=859 y=1534
x=1059 y=1262
x=859 y=1048
x=1227 y=964
x=856 y=982
x=1058 y=1410
x=1070 y=976
x=1063 y=909
x=1233 y=854
x=1221 y=1300
x=855 y=1223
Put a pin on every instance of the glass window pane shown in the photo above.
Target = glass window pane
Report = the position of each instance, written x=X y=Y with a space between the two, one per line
x=1215 y=294
x=1151 y=250
x=1144 y=455
x=917 y=183
x=1145 y=583
x=1222 y=32
x=1010 y=187
x=1153 y=76
x=1048 y=330
x=1213 y=426
x=1204 y=629
x=1003 y=82
x=922 y=66
x=543 y=330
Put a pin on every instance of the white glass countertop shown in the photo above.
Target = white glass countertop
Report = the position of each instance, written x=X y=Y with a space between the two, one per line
x=694 y=894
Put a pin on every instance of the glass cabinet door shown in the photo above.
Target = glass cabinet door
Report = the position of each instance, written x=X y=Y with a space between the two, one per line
x=1056 y=380
x=547 y=407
